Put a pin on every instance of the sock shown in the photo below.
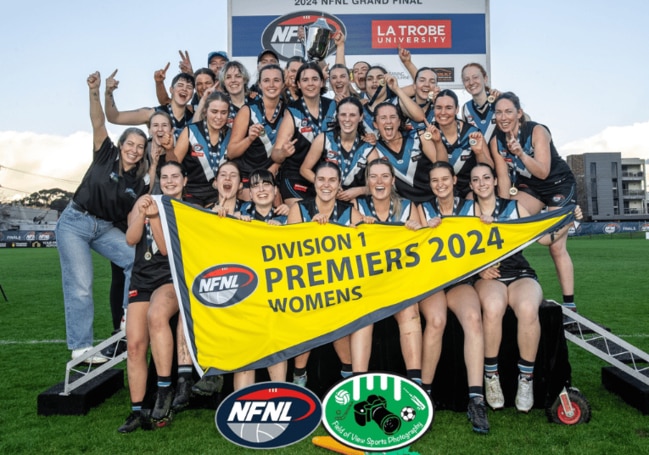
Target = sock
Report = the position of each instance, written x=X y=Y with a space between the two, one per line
x=476 y=391
x=414 y=375
x=569 y=302
x=490 y=366
x=428 y=388
x=346 y=370
x=185 y=371
x=136 y=407
x=526 y=368
x=299 y=371
x=164 y=381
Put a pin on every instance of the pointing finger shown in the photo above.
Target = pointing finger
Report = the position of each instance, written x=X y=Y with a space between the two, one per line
x=114 y=73
x=166 y=68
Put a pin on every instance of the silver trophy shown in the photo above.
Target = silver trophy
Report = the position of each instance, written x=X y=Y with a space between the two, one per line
x=318 y=39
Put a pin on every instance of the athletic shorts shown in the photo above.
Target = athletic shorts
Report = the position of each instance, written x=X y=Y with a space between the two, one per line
x=562 y=193
x=144 y=295
x=206 y=201
x=295 y=187
x=469 y=280
x=524 y=273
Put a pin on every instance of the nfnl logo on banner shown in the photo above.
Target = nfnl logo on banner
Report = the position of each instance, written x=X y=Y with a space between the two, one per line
x=268 y=415
x=445 y=34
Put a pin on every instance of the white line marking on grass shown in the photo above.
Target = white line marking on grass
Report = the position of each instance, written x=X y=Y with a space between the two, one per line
x=6 y=342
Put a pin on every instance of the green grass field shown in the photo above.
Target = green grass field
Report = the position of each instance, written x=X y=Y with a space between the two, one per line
x=611 y=288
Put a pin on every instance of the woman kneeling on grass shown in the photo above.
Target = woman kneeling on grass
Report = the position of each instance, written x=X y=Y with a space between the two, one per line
x=152 y=302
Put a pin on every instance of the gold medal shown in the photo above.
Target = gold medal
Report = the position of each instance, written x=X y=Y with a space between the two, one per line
x=382 y=82
x=428 y=135
x=431 y=96
x=513 y=191
x=491 y=99
x=473 y=142
x=147 y=256
x=262 y=133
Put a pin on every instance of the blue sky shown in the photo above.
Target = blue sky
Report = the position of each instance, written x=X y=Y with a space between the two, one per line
x=579 y=67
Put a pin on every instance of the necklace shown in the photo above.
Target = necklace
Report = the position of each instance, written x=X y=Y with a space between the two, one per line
x=317 y=122
x=346 y=157
x=214 y=150
x=267 y=217
x=149 y=241
x=375 y=215
x=496 y=210
x=334 y=213
x=439 y=208
x=273 y=119
x=446 y=142
x=178 y=125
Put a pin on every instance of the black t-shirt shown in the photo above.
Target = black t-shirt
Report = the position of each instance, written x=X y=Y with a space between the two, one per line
x=105 y=193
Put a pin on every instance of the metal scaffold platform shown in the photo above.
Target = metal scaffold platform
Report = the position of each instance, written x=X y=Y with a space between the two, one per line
x=86 y=384
x=629 y=374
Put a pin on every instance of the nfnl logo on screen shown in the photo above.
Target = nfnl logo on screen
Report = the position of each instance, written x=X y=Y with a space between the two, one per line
x=268 y=415
x=281 y=34
x=224 y=285
x=412 y=33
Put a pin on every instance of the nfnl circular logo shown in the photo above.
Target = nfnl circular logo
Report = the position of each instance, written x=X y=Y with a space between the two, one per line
x=268 y=415
x=377 y=412
x=281 y=35
x=224 y=285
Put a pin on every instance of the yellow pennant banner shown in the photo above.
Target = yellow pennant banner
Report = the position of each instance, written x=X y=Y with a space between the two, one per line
x=253 y=294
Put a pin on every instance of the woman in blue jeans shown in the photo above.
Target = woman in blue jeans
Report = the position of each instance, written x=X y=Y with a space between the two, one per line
x=95 y=219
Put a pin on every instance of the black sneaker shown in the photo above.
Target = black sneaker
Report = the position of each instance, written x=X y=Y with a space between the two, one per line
x=161 y=414
x=477 y=414
x=133 y=422
x=183 y=394
x=208 y=385
x=115 y=349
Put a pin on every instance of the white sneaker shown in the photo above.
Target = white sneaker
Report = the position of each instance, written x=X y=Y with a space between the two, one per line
x=300 y=380
x=122 y=322
x=493 y=392
x=95 y=359
x=525 y=394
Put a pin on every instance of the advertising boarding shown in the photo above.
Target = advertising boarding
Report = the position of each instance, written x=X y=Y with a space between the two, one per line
x=444 y=35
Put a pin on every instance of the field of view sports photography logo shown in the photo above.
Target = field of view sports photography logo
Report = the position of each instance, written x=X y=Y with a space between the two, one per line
x=281 y=35
x=268 y=415
x=224 y=285
x=377 y=412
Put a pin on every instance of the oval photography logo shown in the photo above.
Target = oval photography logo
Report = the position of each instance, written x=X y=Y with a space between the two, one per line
x=224 y=285
x=268 y=415
x=281 y=35
x=377 y=412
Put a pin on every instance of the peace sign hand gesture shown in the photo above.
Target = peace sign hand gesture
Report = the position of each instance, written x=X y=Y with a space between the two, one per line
x=185 y=63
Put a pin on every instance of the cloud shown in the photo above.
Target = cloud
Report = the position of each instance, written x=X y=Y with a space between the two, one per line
x=31 y=162
x=630 y=141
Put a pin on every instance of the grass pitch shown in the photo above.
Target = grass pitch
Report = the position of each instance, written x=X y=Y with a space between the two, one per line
x=611 y=288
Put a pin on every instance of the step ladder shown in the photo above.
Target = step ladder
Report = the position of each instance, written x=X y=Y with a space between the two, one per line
x=78 y=373
x=599 y=341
